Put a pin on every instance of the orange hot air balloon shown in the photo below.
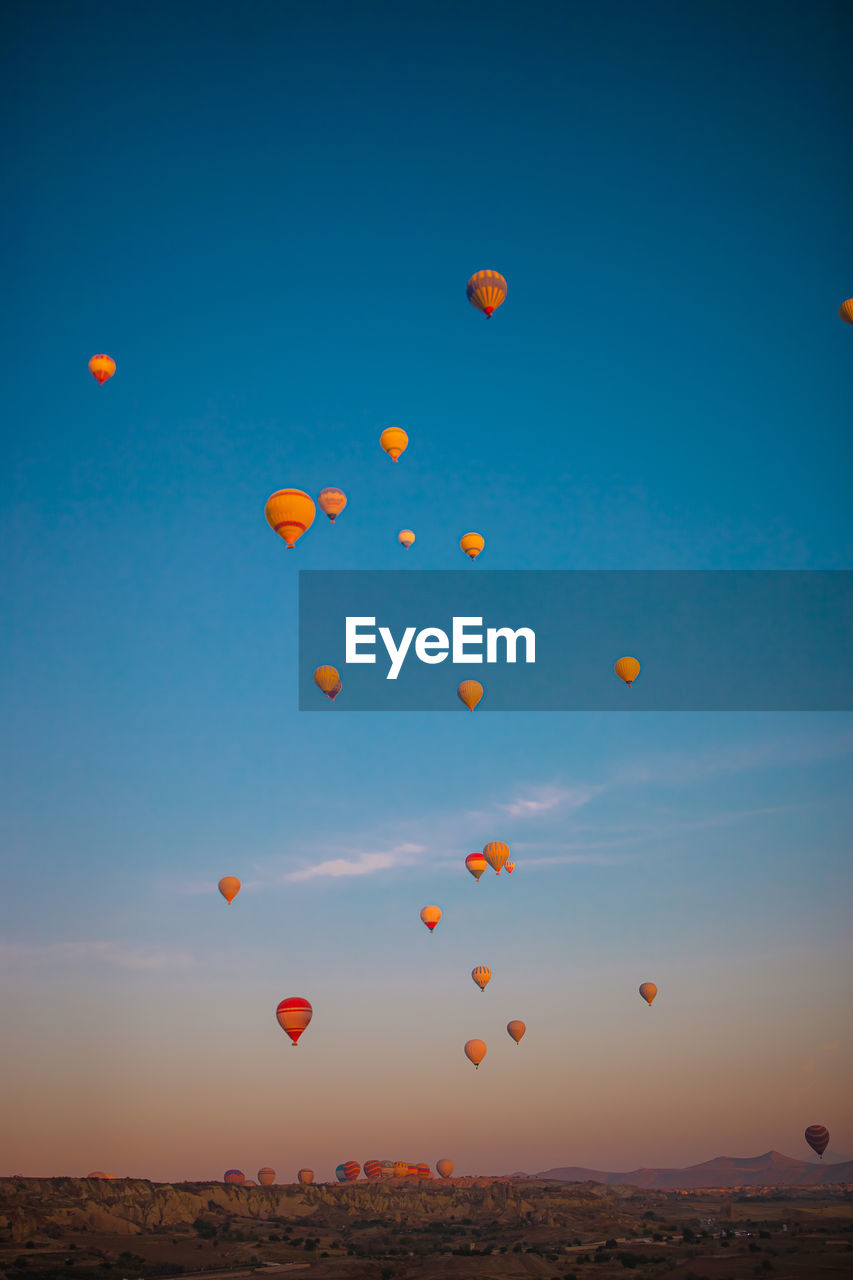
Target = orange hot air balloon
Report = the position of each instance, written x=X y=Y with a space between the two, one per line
x=290 y=512
x=516 y=1029
x=496 y=854
x=229 y=887
x=476 y=864
x=486 y=290
x=99 y=1173
x=472 y=544
x=482 y=976
x=293 y=1016
x=470 y=692
x=431 y=917
x=648 y=991
x=405 y=538
x=102 y=368
x=328 y=680
x=509 y=867
x=475 y=1051
x=845 y=311
x=305 y=1176
x=266 y=1176
x=394 y=441
x=331 y=502
x=627 y=669
x=444 y=1168
x=817 y=1136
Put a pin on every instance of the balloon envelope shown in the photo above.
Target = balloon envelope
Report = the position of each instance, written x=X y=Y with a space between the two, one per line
x=648 y=991
x=470 y=692
x=817 y=1136
x=476 y=864
x=846 y=311
x=405 y=538
x=444 y=1168
x=486 y=290
x=328 y=679
x=348 y=1171
x=496 y=854
x=266 y=1176
x=99 y=1173
x=236 y=1177
x=290 y=512
x=627 y=669
x=293 y=1016
x=472 y=544
x=229 y=887
x=331 y=502
x=516 y=1029
x=394 y=441
x=431 y=917
x=373 y=1169
x=482 y=976
x=102 y=368
x=305 y=1176
x=475 y=1051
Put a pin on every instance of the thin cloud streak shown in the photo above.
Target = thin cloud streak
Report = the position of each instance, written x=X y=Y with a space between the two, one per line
x=363 y=864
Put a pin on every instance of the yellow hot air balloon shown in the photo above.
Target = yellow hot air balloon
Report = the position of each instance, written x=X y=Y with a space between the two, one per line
x=290 y=512
x=328 y=680
x=509 y=867
x=846 y=311
x=331 y=502
x=102 y=368
x=472 y=544
x=405 y=538
x=394 y=441
x=470 y=692
x=229 y=887
x=627 y=669
x=475 y=1051
x=444 y=1168
x=496 y=854
x=486 y=290
x=431 y=917
x=648 y=991
x=482 y=976
x=516 y=1029
x=401 y=1168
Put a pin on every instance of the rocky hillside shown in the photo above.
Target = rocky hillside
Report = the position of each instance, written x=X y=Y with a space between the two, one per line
x=772 y=1169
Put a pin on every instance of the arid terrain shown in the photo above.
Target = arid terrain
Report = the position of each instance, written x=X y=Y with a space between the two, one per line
x=463 y=1229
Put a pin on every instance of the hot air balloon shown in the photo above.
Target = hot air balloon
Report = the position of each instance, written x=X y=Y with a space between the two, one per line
x=99 y=1173
x=293 y=1016
x=235 y=1177
x=373 y=1169
x=845 y=311
x=482 y=976
x=496 y=854
x=401 y=1168
x=229 y=887
x=486 y=290
x=476 y=864
x=266 y=1176
x=102 y=368
x=444 y=1168
x=394 y=441
x=405 y=538
x=331 y=502
x=627 y=669
x=431 y=917
x=348 y=1171
x=305 y=1176
x=516 y=1029
x=817 y=1136
x=470 y=692
x=472 y=544
x=422 y=1170
x=290 y=512
x=475 y=1051
x=509 y=867
x=328 y=679
x=648 y=991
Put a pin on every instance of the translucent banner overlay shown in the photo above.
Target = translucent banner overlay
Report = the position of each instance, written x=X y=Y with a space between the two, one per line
x=705 y=641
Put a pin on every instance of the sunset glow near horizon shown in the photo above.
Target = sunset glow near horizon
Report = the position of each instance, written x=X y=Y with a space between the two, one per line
x=268 y=218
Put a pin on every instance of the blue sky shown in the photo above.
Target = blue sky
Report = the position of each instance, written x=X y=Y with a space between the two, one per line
x=268 y=218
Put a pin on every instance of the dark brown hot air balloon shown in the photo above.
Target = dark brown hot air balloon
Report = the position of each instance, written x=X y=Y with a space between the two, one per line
x=817 y=1136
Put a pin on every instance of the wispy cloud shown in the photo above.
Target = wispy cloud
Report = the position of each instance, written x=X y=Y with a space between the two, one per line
x=115 y=954
x=359 y=864
x=680 y=769
x=544 y=799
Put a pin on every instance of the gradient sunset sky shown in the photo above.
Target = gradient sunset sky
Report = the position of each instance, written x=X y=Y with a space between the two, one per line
x=267 y=215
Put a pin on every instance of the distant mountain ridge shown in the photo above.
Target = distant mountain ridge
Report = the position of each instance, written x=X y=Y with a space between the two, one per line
x=772 y=1169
